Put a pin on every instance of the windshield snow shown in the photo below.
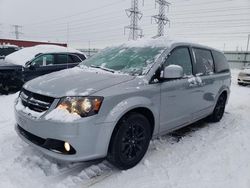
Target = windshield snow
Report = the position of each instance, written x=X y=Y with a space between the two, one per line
x=125 y=59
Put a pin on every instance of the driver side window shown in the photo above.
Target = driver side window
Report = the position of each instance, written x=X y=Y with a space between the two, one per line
x=44 y=60
x=180 y=56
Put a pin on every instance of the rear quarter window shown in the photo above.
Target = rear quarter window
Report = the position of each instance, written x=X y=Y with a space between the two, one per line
x=75 y=59
x=221 y=64
x=81 y=56
x=64 y=59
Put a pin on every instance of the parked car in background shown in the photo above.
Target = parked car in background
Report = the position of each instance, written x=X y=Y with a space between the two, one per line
x=116 y=101
x=7 y=49
x=244 y=77
x=13 y=76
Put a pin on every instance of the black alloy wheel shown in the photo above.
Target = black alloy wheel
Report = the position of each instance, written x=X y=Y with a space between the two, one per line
x=130 y=141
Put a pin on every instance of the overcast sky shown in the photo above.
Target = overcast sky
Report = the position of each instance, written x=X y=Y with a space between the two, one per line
x=223 y=24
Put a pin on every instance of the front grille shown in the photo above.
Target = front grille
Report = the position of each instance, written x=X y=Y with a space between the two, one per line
x=246 y=81
x=35 y=102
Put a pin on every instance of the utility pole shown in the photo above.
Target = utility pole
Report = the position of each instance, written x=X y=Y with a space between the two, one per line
x=17 y=30
x=135 y=15
x=161 y=19
x=89 y=49
x=248 y=40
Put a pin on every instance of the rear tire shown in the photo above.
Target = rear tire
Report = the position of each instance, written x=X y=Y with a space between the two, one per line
x=219 y=109
x=130 y=141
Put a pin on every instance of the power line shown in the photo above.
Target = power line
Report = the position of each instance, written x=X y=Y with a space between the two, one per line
x=161 y=19
x=135 y=15
x=201 y=11
x=213 y=21
x=109 y=5
x=202 y=3
x=224 y=22
x=211 y=16
x=108 y=20
x=77 y=14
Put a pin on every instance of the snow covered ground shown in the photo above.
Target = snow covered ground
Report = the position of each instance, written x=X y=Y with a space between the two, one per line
x=203 y=155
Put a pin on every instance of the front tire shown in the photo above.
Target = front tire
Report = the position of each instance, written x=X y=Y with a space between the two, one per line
x=219 y=109
x=129 y=141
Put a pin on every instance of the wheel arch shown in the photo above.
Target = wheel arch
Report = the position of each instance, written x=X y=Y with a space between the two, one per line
x=223 y=91
x=141 y=110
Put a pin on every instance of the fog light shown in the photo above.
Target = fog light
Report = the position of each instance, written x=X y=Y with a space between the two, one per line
x=67 y=146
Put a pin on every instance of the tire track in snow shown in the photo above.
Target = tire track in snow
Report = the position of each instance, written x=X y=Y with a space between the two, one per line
x=82 y=174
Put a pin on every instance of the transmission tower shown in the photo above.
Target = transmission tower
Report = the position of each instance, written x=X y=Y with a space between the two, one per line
x=161 y=19
x=17 y=30
x=135 y=15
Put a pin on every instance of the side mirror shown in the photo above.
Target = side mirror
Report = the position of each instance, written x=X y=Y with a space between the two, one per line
x=173 y=72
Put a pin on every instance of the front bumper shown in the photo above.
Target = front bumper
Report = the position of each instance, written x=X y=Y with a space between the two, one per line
x=244 y=79
x=89 y=140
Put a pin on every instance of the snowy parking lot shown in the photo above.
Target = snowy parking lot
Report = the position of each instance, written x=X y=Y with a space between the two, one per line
x=202 y=155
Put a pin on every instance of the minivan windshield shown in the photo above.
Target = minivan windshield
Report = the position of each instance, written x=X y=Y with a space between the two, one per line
x=123 y=59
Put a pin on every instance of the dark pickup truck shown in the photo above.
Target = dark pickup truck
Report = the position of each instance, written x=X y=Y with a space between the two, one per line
x=7 y=49
x=13 y=76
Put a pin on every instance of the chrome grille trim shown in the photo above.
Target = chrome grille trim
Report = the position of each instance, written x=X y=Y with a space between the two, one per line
x=35 y=102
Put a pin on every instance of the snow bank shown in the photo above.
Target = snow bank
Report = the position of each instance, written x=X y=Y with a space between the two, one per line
x=26 y=54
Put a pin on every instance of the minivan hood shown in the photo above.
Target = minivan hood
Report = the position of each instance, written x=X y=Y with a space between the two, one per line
x=75 y=82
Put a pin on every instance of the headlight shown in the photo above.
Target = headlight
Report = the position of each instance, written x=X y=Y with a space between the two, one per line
x=82 y=106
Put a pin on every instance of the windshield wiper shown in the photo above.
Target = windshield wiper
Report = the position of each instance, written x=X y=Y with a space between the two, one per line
x=103 y=68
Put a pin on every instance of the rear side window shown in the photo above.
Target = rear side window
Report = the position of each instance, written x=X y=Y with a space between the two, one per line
x=221 y=64
x=64 y=59
x=180 y=56
x=204 y=63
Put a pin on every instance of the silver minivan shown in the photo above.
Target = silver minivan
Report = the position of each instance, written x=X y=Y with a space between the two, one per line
x=114 y=103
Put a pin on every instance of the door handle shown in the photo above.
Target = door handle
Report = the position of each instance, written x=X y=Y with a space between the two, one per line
x=195 y=82
x=192 y=82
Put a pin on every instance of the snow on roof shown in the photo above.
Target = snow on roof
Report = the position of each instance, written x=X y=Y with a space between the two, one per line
x=26 y=54
x=160 y=42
